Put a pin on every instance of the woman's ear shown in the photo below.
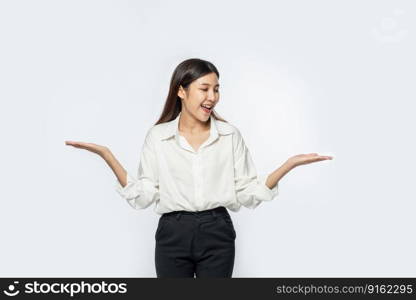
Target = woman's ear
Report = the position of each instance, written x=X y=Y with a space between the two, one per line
x=181 y=92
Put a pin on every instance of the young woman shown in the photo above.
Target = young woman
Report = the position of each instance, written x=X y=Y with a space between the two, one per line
x=193 y=167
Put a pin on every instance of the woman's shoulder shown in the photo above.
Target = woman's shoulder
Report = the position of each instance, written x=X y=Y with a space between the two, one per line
x=226 y=127
x=159 y=131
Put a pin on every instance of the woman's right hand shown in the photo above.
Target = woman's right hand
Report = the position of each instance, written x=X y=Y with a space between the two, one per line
x=98 y=149
x=106 y=154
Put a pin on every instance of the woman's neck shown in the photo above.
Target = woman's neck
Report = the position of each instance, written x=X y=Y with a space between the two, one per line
x=189 y=124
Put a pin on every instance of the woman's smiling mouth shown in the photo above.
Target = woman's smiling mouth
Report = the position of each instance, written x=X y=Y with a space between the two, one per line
x=206 y=109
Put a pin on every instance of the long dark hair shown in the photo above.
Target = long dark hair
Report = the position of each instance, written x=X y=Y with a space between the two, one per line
x=185 y=73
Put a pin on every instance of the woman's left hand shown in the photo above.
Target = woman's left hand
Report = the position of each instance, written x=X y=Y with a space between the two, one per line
x=303 y=159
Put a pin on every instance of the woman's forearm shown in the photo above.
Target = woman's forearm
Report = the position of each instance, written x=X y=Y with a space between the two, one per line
x=117 y=168
x=277 y=174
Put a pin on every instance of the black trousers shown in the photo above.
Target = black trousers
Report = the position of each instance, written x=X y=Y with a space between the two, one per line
x=195 y=244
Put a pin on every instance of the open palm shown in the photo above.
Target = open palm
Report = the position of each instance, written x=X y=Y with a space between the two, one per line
x=100 y=150
x=303 y=159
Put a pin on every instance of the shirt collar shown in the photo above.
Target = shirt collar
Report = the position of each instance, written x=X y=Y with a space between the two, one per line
x=216 y=128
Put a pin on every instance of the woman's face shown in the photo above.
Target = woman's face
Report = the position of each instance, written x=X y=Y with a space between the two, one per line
x=203 y=91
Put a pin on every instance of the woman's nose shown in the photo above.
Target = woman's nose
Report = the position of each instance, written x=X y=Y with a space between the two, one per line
x=211 y=96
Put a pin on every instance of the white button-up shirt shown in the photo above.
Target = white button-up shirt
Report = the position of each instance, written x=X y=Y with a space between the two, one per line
x=175 y=177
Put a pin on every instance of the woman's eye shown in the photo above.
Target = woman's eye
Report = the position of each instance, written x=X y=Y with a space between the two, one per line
x=205 y=90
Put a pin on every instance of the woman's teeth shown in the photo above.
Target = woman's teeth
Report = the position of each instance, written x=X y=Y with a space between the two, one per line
x=206 y=109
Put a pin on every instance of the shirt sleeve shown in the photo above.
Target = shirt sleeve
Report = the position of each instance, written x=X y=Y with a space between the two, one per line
x=251 y=189
x=142 y=191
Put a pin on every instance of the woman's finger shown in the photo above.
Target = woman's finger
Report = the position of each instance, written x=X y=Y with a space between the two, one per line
x=314 y=159
x=75 y=144
x=321 y=158
x=99 y=149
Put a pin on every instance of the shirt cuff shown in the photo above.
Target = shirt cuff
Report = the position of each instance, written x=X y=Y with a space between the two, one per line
x=273 y=192
x=125 y=191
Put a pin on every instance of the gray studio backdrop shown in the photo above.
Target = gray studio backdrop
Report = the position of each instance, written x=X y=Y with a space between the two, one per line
x=333 y=77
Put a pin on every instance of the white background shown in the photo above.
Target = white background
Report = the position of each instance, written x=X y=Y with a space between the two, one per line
x=332 y=77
